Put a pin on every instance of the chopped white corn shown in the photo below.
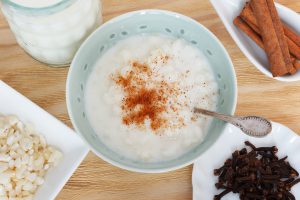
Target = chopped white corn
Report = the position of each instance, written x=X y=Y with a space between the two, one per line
x=25 y=158
x=8 y=187
x=4 y=157
x=4 y=178
x=39 y=181
x=27 y=186
x=10 y=140
x=26 y=144
x=3 y=166
x=2 y=190
x=31 y=177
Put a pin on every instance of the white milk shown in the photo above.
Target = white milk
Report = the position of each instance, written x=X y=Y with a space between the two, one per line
x=51 y=35
x=186 y=69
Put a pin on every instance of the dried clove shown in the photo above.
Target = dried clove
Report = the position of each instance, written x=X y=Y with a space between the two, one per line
x=257 y=174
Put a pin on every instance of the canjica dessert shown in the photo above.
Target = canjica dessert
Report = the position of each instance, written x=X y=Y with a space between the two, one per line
x=141 y=94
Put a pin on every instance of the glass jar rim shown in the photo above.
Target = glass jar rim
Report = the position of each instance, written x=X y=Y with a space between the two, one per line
x=40 y=10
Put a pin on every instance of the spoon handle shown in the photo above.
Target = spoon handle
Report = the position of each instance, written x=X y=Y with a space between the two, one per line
x=226 y=118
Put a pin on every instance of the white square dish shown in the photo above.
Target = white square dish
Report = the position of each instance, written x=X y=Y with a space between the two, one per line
x=232 y=139
x=56 y=133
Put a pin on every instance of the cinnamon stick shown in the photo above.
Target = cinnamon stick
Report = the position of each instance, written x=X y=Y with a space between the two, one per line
x=292 y=35
x=297 y=64
x=294 y=49
x=270 y=38
x=280 y=34
x=248 y=16
x=294 y=69
x=242 y=25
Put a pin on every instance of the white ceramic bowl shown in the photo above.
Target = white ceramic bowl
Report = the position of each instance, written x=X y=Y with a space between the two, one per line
x=138 y=22
x=56 y=133
x=229 y=9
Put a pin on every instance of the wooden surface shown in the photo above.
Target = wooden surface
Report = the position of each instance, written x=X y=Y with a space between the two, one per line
x=98 y=180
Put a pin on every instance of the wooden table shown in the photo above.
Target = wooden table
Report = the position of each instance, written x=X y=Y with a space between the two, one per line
x=96 y=179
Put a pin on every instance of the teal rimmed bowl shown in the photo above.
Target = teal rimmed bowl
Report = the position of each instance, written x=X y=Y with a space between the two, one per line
x=138 y=22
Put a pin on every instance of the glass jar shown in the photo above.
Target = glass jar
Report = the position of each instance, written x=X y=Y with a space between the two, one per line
x=51 y=31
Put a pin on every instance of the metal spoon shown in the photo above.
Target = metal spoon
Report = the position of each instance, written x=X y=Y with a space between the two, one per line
x=251 y=125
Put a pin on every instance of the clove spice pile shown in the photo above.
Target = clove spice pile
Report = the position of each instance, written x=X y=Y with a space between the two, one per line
x=257 y=174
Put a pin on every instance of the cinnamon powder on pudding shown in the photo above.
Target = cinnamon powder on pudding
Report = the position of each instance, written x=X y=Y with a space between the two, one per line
x=150 y=105
x=147 y=98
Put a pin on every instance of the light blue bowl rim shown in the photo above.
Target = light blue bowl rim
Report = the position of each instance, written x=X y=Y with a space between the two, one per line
x=120 y=18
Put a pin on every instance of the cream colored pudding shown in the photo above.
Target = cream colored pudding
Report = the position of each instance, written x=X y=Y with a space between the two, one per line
x=140 y=97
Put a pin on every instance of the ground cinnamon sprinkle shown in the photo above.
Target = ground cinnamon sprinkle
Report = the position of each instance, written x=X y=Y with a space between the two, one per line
x=150 y=105
x=146 y=98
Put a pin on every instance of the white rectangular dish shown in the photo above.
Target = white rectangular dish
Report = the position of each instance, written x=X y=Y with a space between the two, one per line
x=56 y=133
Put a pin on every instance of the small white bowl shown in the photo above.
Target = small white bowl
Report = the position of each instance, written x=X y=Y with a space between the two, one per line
x=229 y=9
x=56 y=133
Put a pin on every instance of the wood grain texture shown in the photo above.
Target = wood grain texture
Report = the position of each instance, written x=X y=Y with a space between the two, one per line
x=98 y=180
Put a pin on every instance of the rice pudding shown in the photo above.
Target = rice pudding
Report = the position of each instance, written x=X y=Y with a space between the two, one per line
x=140 y=97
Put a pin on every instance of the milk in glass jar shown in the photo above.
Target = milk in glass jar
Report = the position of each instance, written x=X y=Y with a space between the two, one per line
x=51 y=31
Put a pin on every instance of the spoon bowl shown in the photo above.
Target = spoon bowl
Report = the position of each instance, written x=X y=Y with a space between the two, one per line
x=253 y=126
x=229 y=9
